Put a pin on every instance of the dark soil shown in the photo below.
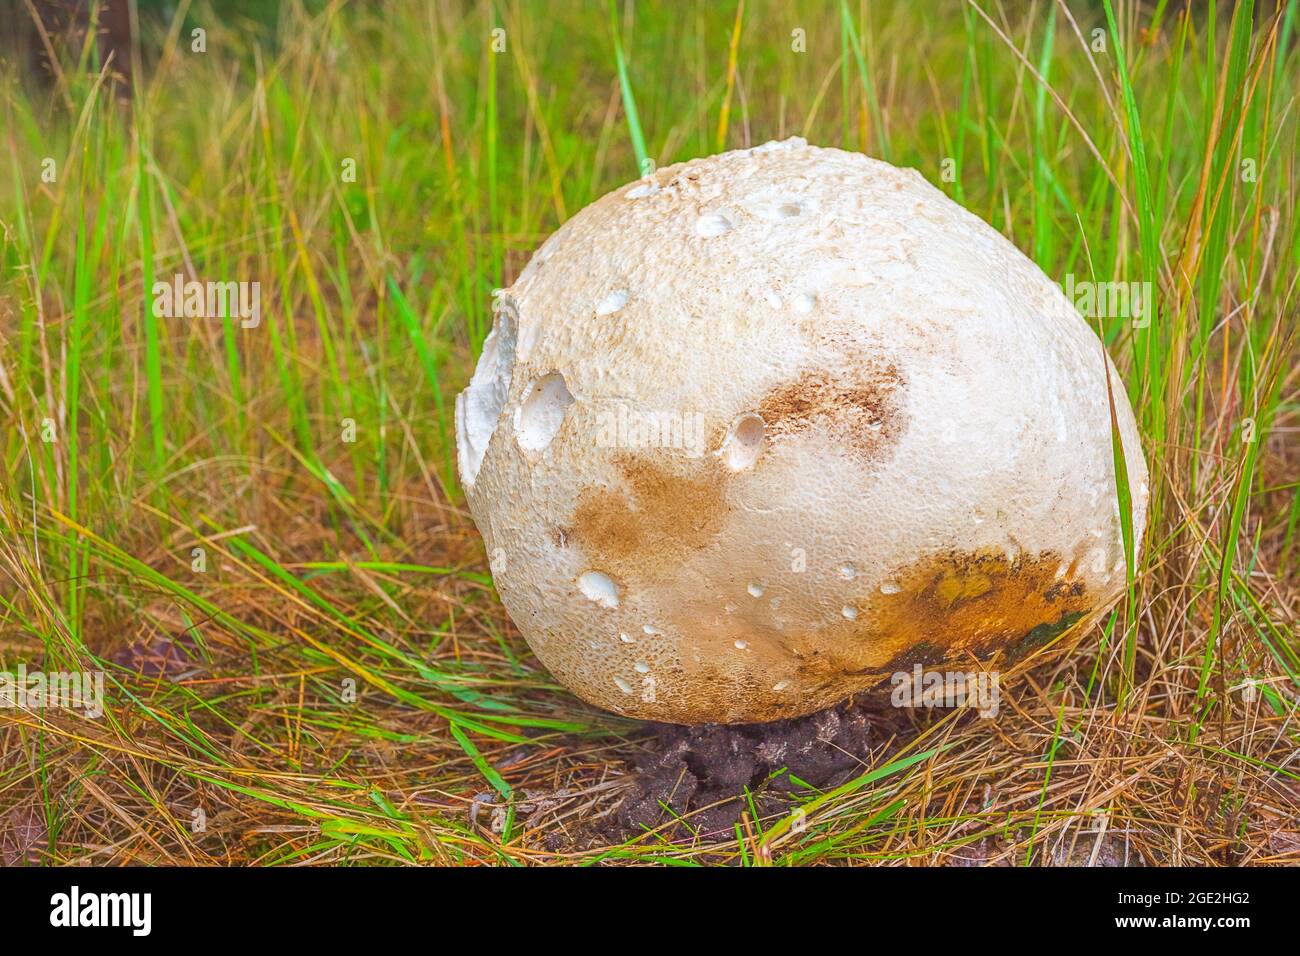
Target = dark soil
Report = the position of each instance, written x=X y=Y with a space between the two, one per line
x=705 y=771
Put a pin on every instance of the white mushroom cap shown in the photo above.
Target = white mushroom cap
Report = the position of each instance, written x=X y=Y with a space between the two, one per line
x=755 y=432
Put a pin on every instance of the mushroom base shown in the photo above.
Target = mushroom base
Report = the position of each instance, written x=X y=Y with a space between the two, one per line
x=708 y=773
x=711 y=771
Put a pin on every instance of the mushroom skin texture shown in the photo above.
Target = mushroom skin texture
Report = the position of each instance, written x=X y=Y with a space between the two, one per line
x=755 y=432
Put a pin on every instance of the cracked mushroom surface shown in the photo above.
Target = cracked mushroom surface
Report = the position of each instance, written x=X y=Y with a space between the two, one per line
x=755 y=432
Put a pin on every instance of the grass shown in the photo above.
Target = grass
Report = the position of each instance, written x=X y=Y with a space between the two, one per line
x=257 y=534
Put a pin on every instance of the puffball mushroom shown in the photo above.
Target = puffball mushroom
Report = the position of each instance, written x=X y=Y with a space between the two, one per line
x=759 y=430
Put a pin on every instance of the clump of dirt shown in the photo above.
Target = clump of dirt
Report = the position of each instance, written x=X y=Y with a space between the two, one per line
x=702 y=773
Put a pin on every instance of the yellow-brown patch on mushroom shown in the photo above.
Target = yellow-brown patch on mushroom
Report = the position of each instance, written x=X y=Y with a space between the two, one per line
x=947 y=604
x=953 y=602
x=865 y=407
x=645 y=525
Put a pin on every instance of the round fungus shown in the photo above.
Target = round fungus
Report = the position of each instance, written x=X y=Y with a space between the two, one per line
x=759 y=438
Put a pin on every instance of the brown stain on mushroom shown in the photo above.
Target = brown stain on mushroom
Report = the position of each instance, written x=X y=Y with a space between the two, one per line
x=959 y=601
x=951 y=607
x=864 y=407
x=653 y=518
